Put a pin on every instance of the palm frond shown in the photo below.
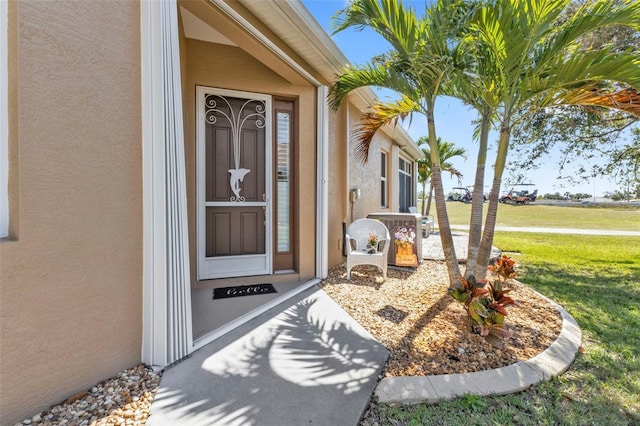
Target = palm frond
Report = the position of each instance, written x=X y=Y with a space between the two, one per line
x=380 y=115
x=389 y=18
x=448 y=167
x=560 y=51
x=446 y=151
x=626 y=100
x=369 y=75
x=595 y=15
x=354 y=78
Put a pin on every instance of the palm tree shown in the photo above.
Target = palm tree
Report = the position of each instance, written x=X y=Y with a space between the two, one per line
x=535 y=62
x=447 y=151
x=417 y=67
x=514 y=58
x=476 y=89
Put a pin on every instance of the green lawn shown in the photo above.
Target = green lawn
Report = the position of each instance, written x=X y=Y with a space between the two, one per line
x=539 y=215
x=597 y=279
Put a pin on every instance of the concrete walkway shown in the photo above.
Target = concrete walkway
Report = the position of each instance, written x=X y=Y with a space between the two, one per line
x=306 y=362
x=432 y=247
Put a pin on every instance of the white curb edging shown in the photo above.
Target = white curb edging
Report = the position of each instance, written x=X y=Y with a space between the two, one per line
x=556 y=359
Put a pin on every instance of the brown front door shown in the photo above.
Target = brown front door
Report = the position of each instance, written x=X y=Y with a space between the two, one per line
x=234 y=184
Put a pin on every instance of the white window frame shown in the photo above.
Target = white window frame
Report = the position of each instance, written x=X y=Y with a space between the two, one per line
x=4 y=119
x=404 y=173
x=384 y=179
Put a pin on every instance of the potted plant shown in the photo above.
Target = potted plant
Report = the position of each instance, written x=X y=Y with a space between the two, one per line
x=372 y=243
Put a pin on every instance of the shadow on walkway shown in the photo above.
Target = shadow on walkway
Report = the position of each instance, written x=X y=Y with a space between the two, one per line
x=304 y=362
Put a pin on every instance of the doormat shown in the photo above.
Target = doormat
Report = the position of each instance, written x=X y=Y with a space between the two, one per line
x=243 y=290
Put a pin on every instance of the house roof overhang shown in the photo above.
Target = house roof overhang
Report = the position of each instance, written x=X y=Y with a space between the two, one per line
x=286 y=38
x=295 y=25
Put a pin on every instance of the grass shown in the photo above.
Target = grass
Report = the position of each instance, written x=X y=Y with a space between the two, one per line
x=539 y=215
x=597 y=279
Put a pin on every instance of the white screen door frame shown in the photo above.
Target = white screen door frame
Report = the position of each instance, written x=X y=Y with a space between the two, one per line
x=232 y=265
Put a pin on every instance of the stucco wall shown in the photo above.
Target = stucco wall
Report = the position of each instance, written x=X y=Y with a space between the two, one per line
x=70 y=281
x=367 y=176
x=229 y=67
x=338 y=189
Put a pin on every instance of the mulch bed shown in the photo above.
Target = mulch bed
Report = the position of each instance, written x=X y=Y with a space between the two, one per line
x=427 y=331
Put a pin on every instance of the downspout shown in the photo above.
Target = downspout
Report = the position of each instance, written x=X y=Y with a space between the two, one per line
x=322 y=190
x=348 y=214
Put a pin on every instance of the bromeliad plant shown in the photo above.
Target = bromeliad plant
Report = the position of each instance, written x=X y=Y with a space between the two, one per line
x=504 y=268
x=485 y=303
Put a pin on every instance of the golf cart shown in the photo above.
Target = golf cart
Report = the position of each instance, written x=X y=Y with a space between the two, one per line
x=460 y=193
x=522 y=196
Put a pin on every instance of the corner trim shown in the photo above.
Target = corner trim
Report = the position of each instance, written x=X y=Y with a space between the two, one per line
x=166 y=277
x=322 y=190
x=4 y=119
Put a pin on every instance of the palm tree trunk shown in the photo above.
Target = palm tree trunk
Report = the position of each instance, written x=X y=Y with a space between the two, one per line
x=477 y=200
x=430 y=197
x=444 y=227
x=424 y=187
x=492 y=211
x=446 y=238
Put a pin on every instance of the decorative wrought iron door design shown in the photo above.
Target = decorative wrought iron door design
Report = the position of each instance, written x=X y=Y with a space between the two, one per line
x=234 y=183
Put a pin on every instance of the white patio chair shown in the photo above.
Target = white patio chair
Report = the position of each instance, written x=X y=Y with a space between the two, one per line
x=427 y=222
x=356 y=239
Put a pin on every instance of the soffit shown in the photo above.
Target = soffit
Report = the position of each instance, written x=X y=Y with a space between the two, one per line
x=209 y=20
x=197 y=29
x=299 y=30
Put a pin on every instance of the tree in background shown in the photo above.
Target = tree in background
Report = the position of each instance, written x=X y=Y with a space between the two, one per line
x=447 y=151
x=584 y=143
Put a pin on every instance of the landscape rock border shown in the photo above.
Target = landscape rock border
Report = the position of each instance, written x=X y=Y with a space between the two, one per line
x=517 y=377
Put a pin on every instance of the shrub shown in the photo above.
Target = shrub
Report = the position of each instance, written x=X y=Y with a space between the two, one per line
x=486 y=302
x=504 y=267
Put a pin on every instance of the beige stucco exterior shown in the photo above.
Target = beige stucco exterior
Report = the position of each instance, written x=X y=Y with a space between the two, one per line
x=70 y=278
x=338 y=177
x=366 y=177
x=71 y=273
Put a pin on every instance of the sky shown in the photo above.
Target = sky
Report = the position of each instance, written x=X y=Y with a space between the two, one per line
x=453 y=119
